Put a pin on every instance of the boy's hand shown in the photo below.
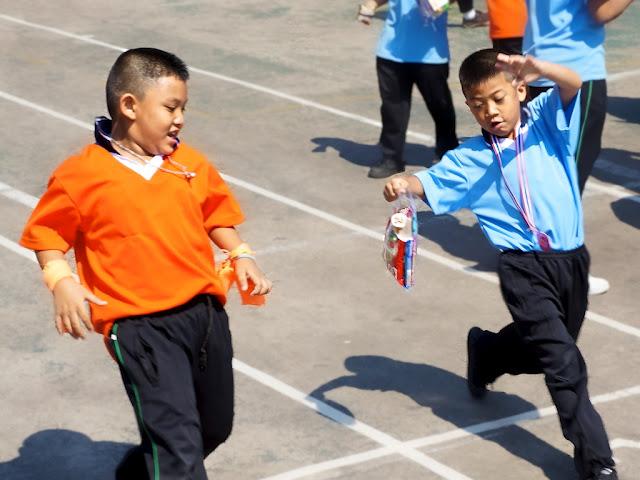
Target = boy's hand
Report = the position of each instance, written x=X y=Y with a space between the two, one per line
x=524 y=69
x=72 y=316
x=366 y=11
x=395 y=187
x=247 y=271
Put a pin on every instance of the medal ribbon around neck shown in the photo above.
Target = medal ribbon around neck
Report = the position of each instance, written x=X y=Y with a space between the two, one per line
x=182 y=169
x=526 y=210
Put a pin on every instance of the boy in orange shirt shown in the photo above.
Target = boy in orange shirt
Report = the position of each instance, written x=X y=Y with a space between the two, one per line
x=140 y=209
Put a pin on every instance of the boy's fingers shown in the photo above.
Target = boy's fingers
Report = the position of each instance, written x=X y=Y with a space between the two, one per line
x=84 y=315
x=59 y=327
x=66 y=323
x=76 y=325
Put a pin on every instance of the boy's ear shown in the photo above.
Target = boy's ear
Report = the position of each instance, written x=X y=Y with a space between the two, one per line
x=127 y=106
x=521 y=90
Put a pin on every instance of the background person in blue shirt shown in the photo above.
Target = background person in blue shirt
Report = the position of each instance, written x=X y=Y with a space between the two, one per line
x=412 y=50
x=519 y=178
x=572 y=33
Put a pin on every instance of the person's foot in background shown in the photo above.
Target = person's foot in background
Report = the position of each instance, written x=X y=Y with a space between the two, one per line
x=474 y=18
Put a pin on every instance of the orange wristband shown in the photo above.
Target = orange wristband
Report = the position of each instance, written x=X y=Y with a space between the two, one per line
x=54 y=271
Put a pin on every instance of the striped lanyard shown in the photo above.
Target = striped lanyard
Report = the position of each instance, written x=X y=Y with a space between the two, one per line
x=526 y=210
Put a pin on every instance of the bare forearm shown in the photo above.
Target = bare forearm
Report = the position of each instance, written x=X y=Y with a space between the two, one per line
x=603 y=11
x=226 y=238
x=45 y=256
x=568 y=81
x=415 y=186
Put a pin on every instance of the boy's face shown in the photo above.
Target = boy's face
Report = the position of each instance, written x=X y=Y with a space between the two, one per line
x=495 y=104
x=158 y=117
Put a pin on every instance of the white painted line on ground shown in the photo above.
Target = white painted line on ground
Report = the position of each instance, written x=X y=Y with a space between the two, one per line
x=18 y=195
x=394 y=445
x=427 y=139
x=488 y=277
x=455 y=434
x=614 y=77
x=332 y=464
x=19 y=249
x=624 y=443
x=613 y=191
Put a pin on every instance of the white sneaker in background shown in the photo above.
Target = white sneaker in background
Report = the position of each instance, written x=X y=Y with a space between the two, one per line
x=597 y=285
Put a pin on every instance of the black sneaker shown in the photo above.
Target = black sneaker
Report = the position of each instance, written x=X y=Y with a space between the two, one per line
x=386 y=168
x=607 y=473
x=480 y=20
x=477 y=388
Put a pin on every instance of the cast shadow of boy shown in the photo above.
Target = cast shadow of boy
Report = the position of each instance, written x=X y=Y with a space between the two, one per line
x=625 y=108
x=461 y=241
x=367 y=155
x=58 y=454
x=446 y=395
x=627 y=210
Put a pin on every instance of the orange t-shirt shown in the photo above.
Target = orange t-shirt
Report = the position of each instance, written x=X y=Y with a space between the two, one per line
x=507 y=18
x=141 y=245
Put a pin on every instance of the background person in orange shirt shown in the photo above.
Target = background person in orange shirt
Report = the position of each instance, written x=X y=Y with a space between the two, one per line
x=140 y=210
x=507 y=21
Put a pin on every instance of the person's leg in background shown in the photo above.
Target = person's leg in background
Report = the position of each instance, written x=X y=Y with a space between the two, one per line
x=395 y=85
x=431 y=80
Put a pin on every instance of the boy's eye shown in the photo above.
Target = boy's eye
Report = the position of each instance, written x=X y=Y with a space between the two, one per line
x=170 y=108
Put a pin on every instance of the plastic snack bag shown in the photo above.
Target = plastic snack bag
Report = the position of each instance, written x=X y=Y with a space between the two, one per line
x=433 y=8
x=400 y=240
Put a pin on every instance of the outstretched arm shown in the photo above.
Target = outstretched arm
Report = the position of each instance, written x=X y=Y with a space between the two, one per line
x=402 y=184
x=603 y=11
x=528 y=69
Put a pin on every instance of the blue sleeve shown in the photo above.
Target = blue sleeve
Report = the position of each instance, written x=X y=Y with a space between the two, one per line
x=445 y=185
x=559 y=121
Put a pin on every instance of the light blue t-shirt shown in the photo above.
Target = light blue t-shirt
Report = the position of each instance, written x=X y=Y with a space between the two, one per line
x=564 y=32
x=469 y=177
x=408 y=37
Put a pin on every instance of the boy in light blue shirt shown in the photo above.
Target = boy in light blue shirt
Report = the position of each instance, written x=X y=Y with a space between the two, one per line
x=519 y=178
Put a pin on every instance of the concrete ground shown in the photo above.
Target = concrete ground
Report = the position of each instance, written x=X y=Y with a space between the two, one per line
x=343 y=375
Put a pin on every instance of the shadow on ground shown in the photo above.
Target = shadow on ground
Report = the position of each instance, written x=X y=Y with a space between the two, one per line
x=64 y=455
x=367 y=155
x=461 y=241
x=446 y=394
x=620 y=167
x=628 y=211
x=626 y=109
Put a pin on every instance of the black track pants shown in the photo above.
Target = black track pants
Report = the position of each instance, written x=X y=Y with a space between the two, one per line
x=176 y=369
x=546 y=294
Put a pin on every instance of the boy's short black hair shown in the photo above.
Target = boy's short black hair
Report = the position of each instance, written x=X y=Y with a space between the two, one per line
x=136 y=68
x=477 y=68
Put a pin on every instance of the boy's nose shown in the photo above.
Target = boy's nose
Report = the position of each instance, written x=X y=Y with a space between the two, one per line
x=492 y=110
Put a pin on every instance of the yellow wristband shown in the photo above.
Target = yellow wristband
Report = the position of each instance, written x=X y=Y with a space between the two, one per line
x=242 y=251
x=54 y=271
